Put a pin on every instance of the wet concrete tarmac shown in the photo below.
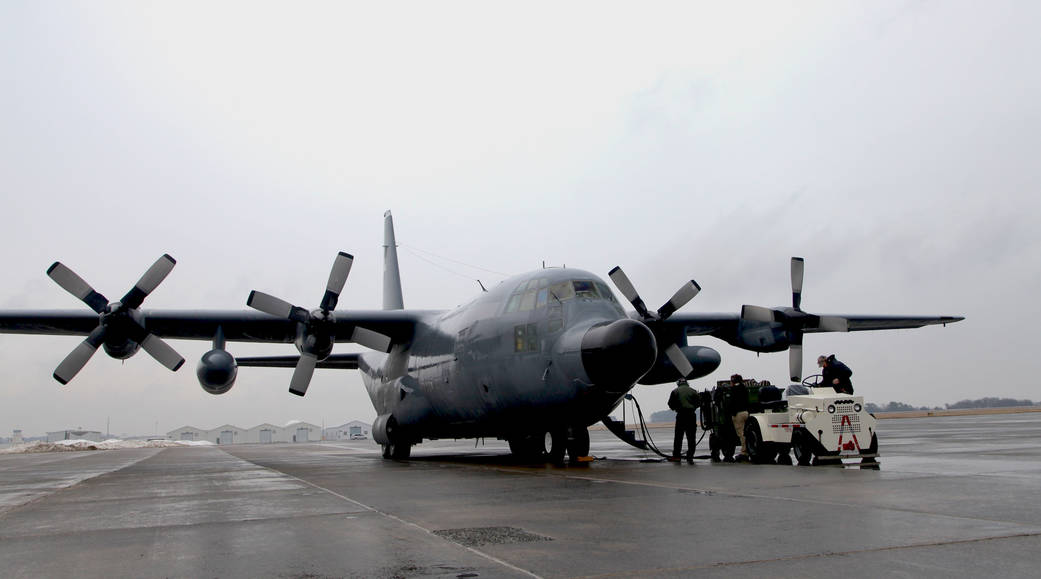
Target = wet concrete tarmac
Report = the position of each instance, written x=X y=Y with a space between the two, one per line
x=954 y=496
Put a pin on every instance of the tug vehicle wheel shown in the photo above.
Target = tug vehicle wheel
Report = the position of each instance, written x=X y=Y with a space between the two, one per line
x=758 y=451
x=801 y=447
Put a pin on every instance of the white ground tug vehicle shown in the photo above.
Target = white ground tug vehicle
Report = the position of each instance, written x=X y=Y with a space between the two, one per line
x=821 y=426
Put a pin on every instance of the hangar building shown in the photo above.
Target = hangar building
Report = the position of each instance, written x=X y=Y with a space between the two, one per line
x=293 y=431
x=354 y=429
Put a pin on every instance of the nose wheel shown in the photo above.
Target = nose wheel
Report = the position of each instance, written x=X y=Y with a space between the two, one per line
x=552 y=445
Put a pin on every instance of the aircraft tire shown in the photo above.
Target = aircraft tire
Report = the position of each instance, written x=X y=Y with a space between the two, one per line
x=397 y=451
x=577 y=442
x=759 y=452
x=557 y=445
x=803 y=454
x=528 y=447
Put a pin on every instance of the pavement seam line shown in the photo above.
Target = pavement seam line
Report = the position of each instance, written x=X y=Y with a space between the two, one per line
x=397 y=519
x=4 y=511
x=753 y=496
x=811 y=556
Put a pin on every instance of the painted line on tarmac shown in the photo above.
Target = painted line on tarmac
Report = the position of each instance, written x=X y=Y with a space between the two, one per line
x=491 y=558
x=740 y=495
x=659 y=570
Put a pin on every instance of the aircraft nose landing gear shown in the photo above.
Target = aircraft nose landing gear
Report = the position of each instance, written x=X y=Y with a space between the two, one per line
x=552 y=445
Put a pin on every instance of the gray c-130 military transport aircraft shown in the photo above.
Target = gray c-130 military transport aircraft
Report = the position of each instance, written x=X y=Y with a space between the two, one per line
x=534 y=361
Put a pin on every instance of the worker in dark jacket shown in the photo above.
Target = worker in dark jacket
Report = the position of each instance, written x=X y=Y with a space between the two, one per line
x=835 y=374
x=739 y=411
x=684 y=401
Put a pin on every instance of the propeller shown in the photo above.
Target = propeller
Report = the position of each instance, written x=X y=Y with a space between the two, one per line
x=794 y=320
x=316 y=334
x=686 y=293
x=118 y=323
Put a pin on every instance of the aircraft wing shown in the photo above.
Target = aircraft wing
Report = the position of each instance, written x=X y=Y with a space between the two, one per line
x=237 y=325
x=339 y=361
x=703 y=324
x=724 y=324
x=858 y=323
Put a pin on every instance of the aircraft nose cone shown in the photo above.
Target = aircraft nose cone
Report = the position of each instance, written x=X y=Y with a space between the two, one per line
x=618 y=353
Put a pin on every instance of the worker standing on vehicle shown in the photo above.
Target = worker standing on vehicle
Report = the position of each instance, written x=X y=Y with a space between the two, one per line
x=835 y=374
x=739 y=410
x=684 y=401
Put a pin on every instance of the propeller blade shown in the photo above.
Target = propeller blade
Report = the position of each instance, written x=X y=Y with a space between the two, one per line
x=795 y=362
x=833 y=324
x=679 y=360
x=758 y=314
x=302 y=374
x=74 y=284
x=79 y=357
x=370 y=339
x=276 y=307
x=679 y=299
x=337 y=279
x=149 y=281
x=798 y=265
x=621 y=281
x=162 y=352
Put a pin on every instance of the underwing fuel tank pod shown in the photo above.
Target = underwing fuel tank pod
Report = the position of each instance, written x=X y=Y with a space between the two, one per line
x=535 y=360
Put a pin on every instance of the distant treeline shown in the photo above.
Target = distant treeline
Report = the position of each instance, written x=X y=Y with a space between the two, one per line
x=989 y=402
x=897 y=407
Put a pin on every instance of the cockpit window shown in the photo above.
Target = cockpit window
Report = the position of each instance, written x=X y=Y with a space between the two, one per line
x=605 y=292
x=562 y=291
x=539 y=293
x=585 y=289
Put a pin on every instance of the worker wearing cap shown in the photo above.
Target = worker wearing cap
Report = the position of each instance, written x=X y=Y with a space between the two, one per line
x=835 y=374
x=684 y=401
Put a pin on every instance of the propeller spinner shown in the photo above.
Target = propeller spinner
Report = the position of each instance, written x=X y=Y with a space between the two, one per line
x=316 y=336
x=686 y=293
x=118 y=322
x=794 y=320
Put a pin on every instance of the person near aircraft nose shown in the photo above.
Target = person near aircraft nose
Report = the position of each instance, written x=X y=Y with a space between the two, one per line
x=835 y=374
x=684 y=401
x=739 y=410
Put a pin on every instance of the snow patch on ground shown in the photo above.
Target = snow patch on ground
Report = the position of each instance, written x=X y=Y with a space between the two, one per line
x=110 y=444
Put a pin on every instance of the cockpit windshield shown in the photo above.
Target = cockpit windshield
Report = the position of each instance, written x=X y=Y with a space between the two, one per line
x=539 y=293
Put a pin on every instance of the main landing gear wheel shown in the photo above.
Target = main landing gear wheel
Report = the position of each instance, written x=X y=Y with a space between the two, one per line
x=556 y=445
x=577 y=442
x=528 y=447
x=397 y=451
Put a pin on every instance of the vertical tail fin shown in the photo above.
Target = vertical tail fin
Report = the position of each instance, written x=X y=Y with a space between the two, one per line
x=392 y=299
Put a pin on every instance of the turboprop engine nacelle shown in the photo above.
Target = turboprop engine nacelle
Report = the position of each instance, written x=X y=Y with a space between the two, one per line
x=217 y=370
x=703 y=360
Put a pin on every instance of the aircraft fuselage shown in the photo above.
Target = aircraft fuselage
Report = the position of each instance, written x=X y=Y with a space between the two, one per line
x=520 y=358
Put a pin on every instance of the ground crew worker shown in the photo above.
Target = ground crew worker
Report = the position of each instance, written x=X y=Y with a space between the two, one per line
x=835 y=374
x=739 y=411
x=684 y=401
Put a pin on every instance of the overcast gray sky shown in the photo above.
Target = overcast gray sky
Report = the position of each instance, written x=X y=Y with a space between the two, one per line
x=894 y=145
